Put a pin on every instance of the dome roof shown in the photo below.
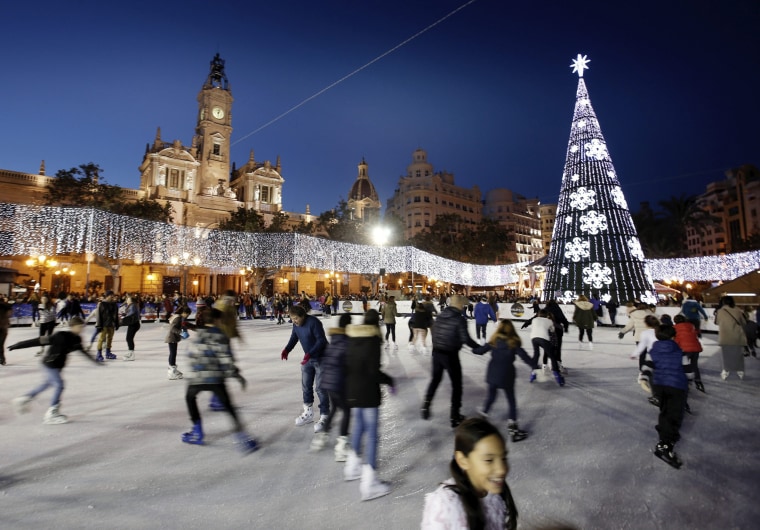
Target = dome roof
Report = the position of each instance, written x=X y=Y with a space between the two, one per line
x=363 y=189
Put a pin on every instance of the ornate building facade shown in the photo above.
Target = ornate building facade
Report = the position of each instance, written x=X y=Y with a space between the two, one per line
x=519 y=216
x=363 y=200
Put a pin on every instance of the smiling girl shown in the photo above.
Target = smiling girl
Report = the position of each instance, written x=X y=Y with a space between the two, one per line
x=477 y=495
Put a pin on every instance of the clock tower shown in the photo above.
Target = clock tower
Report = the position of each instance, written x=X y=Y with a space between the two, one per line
x=213 y=130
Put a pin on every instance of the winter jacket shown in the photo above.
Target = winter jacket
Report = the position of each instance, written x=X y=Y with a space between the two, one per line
x=484 y=313
x=389 y=313
x=636 y=323
x=47 y=314
x=450 y=332
x=584 y=316
x=501 y=370
x=666 y=364
x=311 y=335
x=423 y=316
x=559 y=316
x=693 y=310
x=60 y=345
x=333 y=362
x=107 y=315
x=730 y=321
x=211 y=359
x=229 y=317
x=444 y=510
x=541 y=328
x=686 y=337
x=175 y=328
x=363 y=373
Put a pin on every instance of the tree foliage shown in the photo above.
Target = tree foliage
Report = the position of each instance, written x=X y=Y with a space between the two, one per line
x=83 y=186
x=450 y=237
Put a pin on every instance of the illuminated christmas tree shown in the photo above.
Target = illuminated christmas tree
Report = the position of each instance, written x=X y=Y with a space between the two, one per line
x=595 y=248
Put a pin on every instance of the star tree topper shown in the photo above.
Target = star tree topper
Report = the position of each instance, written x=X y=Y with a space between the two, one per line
x=579 y=64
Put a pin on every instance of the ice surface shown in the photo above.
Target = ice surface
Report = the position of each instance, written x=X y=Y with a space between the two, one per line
x=588 y=461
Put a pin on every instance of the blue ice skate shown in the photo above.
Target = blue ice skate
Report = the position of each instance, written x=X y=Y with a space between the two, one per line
x=194 y=436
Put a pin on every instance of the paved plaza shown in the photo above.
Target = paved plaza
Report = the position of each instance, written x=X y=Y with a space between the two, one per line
x=119 y=462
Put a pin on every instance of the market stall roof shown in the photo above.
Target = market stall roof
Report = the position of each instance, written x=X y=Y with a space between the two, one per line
x=744 y=289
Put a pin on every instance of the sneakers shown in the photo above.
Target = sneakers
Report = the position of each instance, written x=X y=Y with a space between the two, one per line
x=194 y=436
x=307 y=416
x=724 y=375
x=53 y=417
x=515 y=432
x=319 y=441
x=371 y=487
x=22 y=404
x=341 y=449
x=664 y=451
x=425 y=410
x=173 y=373
x=353 y=467
x=558 y=378
x=320 y=425
x=130 y=356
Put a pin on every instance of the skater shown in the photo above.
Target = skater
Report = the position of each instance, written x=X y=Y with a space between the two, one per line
x=750 y=330
x=211 y=363
x=308 y=330
x=687 y=339
x=46 y=319
x=731 y=337
x=173 y=336
x=646 y=338
x=665 y=373
x=106 y=323
x=477 y=494
x=505 y=346
x=541 y=331
x=60 y=345
x=694 y=313
x=6 y=310
x=421 y=321
x=363 y=380
x=561 y=326
x=584 y=317
x=449 y=334
x=483 y=313
x=131 y=319
x=389 y=314
x=334 y=383
x=636 y=321
x=612 y=307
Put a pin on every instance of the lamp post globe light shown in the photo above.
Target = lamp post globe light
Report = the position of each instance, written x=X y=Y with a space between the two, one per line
x=380 y=236
x=40 y=263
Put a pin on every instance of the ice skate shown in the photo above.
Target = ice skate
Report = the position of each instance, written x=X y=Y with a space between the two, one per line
x=353 y=467
x=22 y=404
x=320 y=425
x=319 y=442
x=395 y=346
x=194 y=436
x=591 y=346
x=740 y=374
x=307 y=416
x=173 y=373
x=130 y=356
x=371 y=487
x=664 y=451
x=562 y=369
x=215 y=405
x=724 y=375
x=53 y=417
x=546 y=369
x=425 y=410
x=515 y=433
x=699 y=386
x=110 y=356
x=247 y=444
x=456 y=419
x=99 y=357
x=341 y=449
x=558 y=378
x=654 y=400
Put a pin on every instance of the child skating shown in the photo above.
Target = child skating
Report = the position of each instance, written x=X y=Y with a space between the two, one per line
x=59 y=346
x=173 y=337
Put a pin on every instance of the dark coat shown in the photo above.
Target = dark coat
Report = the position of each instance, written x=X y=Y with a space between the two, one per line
x=501 y=370
x=667 y=365
x=363 y=374
x=450 y=332
x=333 y=362
x=423 y=316
x=61 y=345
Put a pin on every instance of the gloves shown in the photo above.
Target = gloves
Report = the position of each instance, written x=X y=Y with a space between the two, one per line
x=621 y=335
x=284 y=355
x=305 y=359
x=645 y=385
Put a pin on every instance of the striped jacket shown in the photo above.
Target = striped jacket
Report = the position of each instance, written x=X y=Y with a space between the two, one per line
x=211 y=359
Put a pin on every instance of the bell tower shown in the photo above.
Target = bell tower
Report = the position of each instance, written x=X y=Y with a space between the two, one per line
x=213 y=130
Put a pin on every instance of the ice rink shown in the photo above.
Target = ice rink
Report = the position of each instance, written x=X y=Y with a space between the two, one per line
x=119 y=462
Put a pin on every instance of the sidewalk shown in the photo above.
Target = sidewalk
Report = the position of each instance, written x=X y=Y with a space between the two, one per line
x=120 y=463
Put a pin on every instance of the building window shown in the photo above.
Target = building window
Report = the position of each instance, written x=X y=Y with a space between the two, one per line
x=174 y=176
x=427 y=222
x=416 y=198
x=266 y=193
x=417 y=173
x=417 y=223
x=427 y=199
x=217 y=150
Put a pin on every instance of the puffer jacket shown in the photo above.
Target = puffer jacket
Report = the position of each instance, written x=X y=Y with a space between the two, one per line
x=363 y=373
x=211 y=360
x=333 y=362
x=389 y=313
x=666 y=365
x=450 y=332
x=687 y=338
x=584 y=316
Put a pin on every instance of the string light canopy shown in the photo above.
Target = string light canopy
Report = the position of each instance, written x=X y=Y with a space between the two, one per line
x=595 y=249
x=54 y=231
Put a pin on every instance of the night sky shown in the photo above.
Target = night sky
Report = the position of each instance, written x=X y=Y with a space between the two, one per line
x=488 y=92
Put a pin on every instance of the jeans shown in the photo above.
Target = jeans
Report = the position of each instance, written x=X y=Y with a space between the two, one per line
x=365 y=421
x=311 y=374
x=509 y=391
x=52 y=378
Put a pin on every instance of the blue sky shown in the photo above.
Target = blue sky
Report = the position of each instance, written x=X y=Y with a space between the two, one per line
x=487 y=92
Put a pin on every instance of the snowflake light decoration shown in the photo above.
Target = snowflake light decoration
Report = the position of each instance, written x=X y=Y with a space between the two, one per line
x=575 y=177
x=636 y=250
x=618 y=197
x=593 y=222
x=563 y=271
x=582 y=198
x=577 y=249
x=597 y=275
x=569 y=219
x=581 y=124
x=579 y=64
x=574 y=149
x=596 y=149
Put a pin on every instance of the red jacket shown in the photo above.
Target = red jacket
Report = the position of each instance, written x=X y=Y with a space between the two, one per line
x=686 y=337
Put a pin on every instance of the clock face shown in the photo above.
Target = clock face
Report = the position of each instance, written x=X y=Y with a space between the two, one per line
x=217 y=112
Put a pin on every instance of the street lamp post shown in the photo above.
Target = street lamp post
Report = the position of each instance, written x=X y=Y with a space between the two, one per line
x=40 y=263
x=381 y=234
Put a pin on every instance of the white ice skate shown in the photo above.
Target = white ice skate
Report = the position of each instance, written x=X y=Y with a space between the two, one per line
x=353 y=467
x=320 y=425
x=319 y=442
x=173 y=373
x=371 y=487
x=130 y=356
x=53 y=417
x=341 y=449
x=307 y=416
x=22 y=404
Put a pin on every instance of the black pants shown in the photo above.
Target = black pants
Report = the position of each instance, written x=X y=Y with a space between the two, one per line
x=172 y=354
x=131 y=332
x=3 y=335
x=481 y=328
x=220 y=391
x=672 y=402
x=588 y=332
x=539 y=343
x=337 y=401
x=450 y=363
x=390 y=330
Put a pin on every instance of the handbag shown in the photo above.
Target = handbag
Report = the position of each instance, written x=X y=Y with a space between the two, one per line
x=184 y=334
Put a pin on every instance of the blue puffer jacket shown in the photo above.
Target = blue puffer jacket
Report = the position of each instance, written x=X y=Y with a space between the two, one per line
x=334 y=362
x=666 y=365
x=311 y=335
